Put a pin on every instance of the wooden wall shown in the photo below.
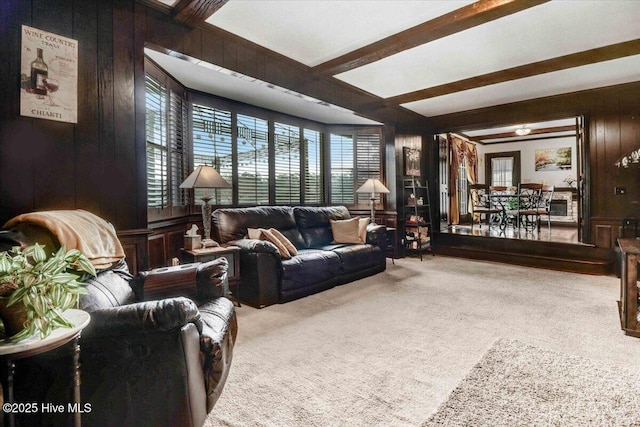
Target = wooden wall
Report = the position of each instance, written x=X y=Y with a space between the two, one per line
x=98 y=163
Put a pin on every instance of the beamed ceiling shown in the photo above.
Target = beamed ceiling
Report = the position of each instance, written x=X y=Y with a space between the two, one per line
x=433 y=58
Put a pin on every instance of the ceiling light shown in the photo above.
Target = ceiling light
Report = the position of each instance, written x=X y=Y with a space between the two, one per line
x=522 y=131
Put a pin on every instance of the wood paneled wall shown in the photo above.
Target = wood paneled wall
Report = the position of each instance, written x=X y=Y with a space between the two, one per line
x=98 y=163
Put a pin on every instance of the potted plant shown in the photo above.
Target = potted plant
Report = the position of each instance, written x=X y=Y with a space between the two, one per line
x=35 y=290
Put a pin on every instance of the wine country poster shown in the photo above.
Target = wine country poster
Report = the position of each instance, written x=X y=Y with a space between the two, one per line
x=48 y=76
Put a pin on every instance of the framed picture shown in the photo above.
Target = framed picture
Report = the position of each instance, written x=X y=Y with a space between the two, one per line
x=411 y=161
x=553 y=159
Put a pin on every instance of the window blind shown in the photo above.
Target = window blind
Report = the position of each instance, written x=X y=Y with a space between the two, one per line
x=253 y=160
x=156 y=131
x=342 y=170
x=312 y=141
x=367 y=162
x=213 y=146
x=287 y=163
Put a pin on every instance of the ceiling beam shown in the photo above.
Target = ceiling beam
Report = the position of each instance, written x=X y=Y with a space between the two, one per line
x=453 y=22
x=592 y=56
x=533 y=132
x=195 y=12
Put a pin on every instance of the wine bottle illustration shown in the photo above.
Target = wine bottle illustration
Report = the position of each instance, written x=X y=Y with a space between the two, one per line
x=39 y=72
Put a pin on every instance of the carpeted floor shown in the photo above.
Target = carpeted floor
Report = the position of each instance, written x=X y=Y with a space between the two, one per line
x=521 y=385
x=389 y=349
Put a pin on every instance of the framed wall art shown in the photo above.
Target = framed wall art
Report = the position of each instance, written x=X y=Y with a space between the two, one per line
x=49 y=76
x=411 y=161
x=553 y=159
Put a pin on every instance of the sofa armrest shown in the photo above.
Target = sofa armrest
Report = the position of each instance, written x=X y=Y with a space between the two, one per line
x=377 y=235
x=143 y=318
x=218 y=337
x=258 y=246
x=211 y=279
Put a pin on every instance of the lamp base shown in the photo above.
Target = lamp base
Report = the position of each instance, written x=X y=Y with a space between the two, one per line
x=373 y=213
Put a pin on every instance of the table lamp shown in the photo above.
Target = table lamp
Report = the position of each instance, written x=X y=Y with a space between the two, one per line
x=373 y=186
x=205 y=177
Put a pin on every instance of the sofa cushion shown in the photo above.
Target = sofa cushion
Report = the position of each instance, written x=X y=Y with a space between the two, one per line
x=233 y=223
x=356 y=257
x=314 y=225
x=309 y=267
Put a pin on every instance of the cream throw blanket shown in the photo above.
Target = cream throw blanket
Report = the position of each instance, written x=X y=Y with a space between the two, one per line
x=78 y=229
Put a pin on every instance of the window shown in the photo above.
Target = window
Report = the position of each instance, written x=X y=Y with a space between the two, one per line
x=167 y=147
x=213 y=146
x=312 y=144
x=156 y=128
x=269 y=158
x=355 y=157
x=367 y=162
x=253 y=160
x=503 y=168
x=463 y=191
x=502 y=171
x=342 y=179
x=287 y=163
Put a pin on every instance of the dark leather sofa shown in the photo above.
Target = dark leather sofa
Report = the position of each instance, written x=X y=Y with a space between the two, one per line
x=143 y=363
x=267 y=279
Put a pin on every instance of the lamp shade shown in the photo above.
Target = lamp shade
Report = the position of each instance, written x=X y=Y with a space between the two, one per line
x=372 y=185
x=205 y=177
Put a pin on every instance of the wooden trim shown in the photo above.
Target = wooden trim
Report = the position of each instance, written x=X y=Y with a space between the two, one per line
x=481 y=138
x=466 y=17
x=592 y=56
x=195 y=12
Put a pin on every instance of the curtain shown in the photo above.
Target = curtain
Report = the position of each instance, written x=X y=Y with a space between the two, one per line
x=460 y=149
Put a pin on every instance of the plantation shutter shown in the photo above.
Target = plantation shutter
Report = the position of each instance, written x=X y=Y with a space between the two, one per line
x=367 y=162
x=156 y=131
x=253 y=160
x=287 y=163
x=312 y=167
x=342 y=173
x=213 y=146
x=178 y=142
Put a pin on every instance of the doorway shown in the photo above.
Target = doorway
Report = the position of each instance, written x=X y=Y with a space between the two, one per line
x=548 y=153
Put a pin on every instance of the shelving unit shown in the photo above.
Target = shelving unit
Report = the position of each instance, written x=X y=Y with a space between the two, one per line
x=416 y=217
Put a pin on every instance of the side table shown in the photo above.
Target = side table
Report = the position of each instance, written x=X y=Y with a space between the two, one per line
x=11 y=351
x=231 y=253
x=628 y=304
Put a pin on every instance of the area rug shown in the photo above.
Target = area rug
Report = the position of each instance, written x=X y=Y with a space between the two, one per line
x=515 y=384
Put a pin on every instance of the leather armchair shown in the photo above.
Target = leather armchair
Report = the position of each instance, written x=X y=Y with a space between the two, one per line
x=158 y=362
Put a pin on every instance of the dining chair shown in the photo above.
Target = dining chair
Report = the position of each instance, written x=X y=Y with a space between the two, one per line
x=501 y=197
x=528 y=213
x=544 y=204
x=481 y=204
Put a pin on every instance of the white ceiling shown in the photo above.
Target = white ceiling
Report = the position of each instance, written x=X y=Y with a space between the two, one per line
x=205 y=77
x=315 y=31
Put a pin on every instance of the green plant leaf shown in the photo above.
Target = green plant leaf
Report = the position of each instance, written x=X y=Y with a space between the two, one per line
x=39 y=255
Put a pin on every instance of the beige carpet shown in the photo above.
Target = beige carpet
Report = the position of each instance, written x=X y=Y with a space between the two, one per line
x=521 y=385
x=389 y=349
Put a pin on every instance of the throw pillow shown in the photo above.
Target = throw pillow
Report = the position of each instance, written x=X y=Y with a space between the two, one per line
x=346 y=230
x=362 y=229
x=270 y=237
x=254 y=233
x=286 y=242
